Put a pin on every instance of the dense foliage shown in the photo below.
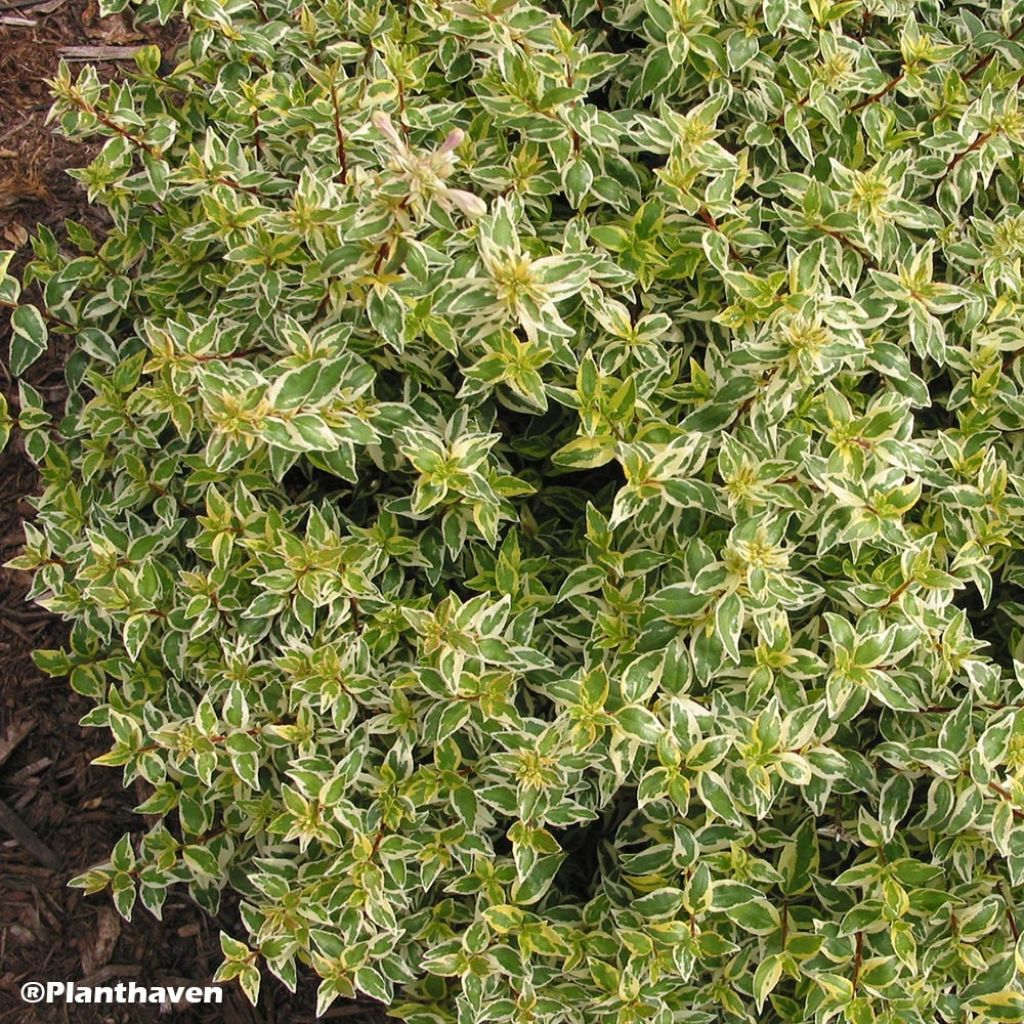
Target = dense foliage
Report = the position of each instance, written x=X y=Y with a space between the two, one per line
x=541 y=498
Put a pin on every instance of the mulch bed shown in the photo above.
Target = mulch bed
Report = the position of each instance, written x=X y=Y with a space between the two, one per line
x=49 y=932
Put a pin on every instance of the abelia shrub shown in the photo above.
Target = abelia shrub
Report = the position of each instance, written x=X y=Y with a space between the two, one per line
x=540 y=499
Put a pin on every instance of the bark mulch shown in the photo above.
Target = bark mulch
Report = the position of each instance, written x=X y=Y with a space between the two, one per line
x=75 y=811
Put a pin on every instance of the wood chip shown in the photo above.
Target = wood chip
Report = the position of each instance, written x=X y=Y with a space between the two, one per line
x=27 y=839
x=339 y=1012
x=13 y=736
x=28 y=884
x=24 y=775
x=105 y=974
x=114 y=31
x=15 y=234
x=98 y=52
x=20 y=935
x=98 y=950
x=30 y=870
x=13 y=627
x=13 y=21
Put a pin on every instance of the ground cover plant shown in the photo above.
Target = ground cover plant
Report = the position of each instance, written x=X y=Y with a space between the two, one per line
x=540 y=500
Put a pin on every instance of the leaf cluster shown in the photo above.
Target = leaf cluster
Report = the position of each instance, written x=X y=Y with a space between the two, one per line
x=541 y=499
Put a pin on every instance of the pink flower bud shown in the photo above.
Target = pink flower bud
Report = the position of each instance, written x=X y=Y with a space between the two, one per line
x=455 y=136
x=381 y=120
x=469 y=204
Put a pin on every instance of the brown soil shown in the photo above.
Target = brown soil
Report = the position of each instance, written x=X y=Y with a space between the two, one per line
x=49 y=932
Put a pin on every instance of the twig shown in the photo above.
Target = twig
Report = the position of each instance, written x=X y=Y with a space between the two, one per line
x=340 y=135
x=706 y=216
x=98 y=52
x=874 y=97
x=4 y=304
x=897 y=593
x=1010 y=912
x=107 y=122
x=802 y=102
x=378 y=261
x=983 y=62
x=1011 y=357
x=851 y=245
x=975 y=145
x=1000 y=791
x=237 y=186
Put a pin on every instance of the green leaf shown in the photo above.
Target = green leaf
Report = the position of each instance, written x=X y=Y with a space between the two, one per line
x=136 y=632
x=766 y=977
x=729 y=623
x=586 y=452
x=639 y=723
x=714 y=794
x=758 y=917
x=5 y=423
x=28 y=338
x=201 y=862
x=1007 y=1005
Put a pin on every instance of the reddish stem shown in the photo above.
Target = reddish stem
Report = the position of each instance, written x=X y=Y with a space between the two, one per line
x=875 y=97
